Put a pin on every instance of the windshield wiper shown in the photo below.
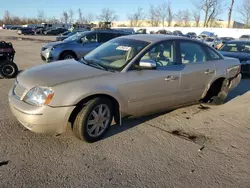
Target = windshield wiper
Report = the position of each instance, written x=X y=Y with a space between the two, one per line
x=97 y=65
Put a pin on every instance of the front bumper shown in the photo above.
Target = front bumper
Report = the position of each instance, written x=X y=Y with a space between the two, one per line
x=43 y=119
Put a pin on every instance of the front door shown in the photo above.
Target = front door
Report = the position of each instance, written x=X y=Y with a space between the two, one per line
x=197 y=71
x=158 y=89
x=88 y=43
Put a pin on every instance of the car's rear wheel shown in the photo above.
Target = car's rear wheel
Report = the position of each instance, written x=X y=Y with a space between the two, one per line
x=8 y=70
x=93 y=121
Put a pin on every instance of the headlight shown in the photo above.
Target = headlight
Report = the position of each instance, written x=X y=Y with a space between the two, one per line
x=39 y=96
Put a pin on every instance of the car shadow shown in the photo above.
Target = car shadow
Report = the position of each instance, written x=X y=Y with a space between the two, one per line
x=129 y=123
x=241 y=89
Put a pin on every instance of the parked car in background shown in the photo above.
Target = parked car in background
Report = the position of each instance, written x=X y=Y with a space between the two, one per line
x=56 y=31
x=177 y=33
x=15 y=28
x=239 y=50
x=127 y=76
x=214 y=42
x=224 y=40
x=207 y=34
x=25 y=31
x=191 y=35
x=245 y=37
x=164 y=32
x=39 y=30
x=78 y=45
x=141 y=31
x=64 y=36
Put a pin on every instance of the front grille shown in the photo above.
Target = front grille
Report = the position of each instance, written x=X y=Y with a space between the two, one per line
x=18 y=90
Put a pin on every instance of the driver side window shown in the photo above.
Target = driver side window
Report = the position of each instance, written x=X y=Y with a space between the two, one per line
x=163 y=54
x=90 y=38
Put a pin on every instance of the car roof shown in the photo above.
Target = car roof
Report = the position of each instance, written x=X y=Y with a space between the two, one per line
x=153 y=38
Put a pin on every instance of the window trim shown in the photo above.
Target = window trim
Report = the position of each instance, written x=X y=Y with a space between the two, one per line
x=213 y=50
x=203 y=47
x=138 y=59
x=193 y=42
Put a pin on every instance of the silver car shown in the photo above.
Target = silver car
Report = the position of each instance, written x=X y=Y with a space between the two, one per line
x=78 y=45
x=127 y=76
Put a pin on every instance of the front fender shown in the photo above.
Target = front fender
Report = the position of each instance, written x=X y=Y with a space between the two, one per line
x=70 y=94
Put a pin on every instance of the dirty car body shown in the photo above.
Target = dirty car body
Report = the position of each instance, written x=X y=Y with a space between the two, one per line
x=132 y=75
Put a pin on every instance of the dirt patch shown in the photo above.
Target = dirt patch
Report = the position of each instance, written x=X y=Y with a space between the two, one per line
x=196 y=138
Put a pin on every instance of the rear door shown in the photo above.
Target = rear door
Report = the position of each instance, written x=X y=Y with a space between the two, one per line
x=105 y=37
x=197 y=71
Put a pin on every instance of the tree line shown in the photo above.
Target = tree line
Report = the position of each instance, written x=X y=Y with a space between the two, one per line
x=156 y=15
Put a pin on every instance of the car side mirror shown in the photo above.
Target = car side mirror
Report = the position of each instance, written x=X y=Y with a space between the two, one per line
x=147 y=64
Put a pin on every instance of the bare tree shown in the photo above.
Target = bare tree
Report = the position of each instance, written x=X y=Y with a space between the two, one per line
x=41 y=16
x=170 y=13
x=163 y=14
x=216 y=10
x=196 y=17
x=88 y=18
x=107 y=15
x=211 y=9
x=183 y=18
x=80 y=16
x=7 y=17
x=244 y=11
x=186 y=17
x=65 y=17
x=71 y=16
x=230 y=13
x=137 y=18
x=153 y=16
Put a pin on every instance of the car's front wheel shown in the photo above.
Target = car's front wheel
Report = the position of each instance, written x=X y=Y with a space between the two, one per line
x=93 y=121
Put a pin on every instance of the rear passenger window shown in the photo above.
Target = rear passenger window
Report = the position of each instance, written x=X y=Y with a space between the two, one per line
x=212 y=55
x=104 y=37
x=192 y=53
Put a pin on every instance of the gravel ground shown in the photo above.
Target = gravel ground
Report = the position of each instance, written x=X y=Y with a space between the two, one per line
x=195 y=146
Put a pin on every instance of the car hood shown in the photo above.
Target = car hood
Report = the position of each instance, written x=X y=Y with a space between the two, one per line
x=239 y=55
x=53 y=44
x=57 y=73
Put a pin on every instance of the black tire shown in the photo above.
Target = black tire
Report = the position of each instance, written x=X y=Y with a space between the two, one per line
x=8 y=70
x=80 y=127
x=68 y=55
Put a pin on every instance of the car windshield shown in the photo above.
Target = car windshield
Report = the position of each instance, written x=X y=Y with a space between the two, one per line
x=74 y=37
x=115 y=54
x=236 y=47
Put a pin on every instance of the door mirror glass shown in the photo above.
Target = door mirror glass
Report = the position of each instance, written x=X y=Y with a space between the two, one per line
x=147 y=64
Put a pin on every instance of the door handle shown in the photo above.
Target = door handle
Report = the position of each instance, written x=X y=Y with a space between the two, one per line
x=210 y=71
x=171 y=78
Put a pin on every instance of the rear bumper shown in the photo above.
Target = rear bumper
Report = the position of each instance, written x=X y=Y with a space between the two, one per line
x=234 y=82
